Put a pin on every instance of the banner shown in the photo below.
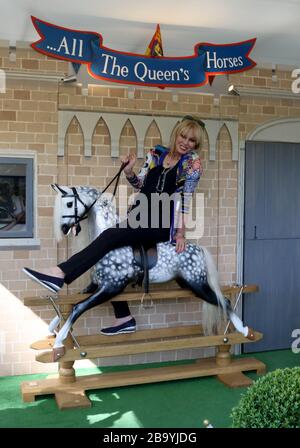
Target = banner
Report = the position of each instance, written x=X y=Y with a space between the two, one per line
x=85 y=47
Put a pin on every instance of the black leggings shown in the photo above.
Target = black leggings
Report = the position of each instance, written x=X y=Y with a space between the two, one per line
x=121 y=309
x=110 y=239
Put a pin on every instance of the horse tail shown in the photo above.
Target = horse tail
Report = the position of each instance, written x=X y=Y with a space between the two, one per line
x=213 y=316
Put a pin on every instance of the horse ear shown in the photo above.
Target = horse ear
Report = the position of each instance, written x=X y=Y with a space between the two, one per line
x=58 y=189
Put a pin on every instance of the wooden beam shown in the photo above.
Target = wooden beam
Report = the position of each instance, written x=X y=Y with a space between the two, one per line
x=132 y=348
x=161 y=294
x=72 y=395
x=101 y=339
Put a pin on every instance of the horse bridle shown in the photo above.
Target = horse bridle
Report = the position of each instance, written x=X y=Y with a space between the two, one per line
x=75 y=215
x=87 y=208
x=117 y=177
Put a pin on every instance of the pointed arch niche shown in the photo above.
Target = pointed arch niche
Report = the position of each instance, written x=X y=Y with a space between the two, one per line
x=115 y=123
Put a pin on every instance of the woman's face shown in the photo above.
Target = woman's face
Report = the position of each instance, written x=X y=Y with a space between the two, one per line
x=185 y=142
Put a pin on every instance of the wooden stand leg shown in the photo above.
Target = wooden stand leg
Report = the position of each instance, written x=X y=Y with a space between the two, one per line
x=65 y=397
x=234 y=377
x=223 y=356
x=66 y=371
x=231 y=379
x=67 y=390
x=66 y=375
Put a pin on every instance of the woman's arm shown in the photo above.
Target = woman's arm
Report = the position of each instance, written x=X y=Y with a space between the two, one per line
x=137 y=180
x=192 y=174
x=180 y=234
x=181 y=225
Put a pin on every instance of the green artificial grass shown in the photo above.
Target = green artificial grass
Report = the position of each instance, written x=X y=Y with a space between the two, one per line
x=173 y=404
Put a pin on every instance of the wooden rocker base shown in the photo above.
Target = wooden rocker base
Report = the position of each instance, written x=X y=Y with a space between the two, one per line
x=72 y=395
x=70 y=390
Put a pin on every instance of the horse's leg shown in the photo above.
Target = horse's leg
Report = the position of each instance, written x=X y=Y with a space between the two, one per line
x=238 y=323
x=201 y=290
x=103 y=293
x=205 y=292
x=197 y=271
x=90 y=288
x=53 y=325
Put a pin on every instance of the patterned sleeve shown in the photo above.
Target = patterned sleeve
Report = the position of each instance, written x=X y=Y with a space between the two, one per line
x=137 y=180
x=193 y=174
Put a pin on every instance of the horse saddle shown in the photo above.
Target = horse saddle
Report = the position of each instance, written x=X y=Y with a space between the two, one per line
x=146 y=259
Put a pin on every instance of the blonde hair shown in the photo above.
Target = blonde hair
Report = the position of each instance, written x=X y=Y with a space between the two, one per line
x=184 y=127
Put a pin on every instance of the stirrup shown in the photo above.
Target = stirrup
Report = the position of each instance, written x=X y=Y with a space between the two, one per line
x=147 y=296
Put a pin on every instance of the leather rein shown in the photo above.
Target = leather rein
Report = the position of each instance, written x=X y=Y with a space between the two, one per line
x=87 y=208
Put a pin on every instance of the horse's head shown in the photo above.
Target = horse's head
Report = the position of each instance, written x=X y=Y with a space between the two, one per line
x=72 y=205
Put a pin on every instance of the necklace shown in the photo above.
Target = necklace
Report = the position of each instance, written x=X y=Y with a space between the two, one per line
x=168 y=163
x=162 y=179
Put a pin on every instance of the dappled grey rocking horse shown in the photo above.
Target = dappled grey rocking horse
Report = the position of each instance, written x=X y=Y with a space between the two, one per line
x=193 y=269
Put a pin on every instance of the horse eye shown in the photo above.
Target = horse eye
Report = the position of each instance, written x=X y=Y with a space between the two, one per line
x=69 y=204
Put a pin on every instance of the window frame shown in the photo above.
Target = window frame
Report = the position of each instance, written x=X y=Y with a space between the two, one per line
x=11 y=240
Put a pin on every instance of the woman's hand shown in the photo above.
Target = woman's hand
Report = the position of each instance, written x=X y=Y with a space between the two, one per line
x=180 y=243
x=131 y=159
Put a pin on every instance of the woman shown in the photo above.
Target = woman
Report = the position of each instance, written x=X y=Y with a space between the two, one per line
x=173 y=172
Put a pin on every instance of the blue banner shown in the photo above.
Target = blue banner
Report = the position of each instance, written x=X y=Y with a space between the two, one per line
x=85 y=47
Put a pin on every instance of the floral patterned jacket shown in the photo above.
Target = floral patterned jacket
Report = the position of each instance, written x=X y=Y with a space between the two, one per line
x=189 y=171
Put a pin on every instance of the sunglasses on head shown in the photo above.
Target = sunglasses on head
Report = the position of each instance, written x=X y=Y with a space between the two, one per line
x=190 y=117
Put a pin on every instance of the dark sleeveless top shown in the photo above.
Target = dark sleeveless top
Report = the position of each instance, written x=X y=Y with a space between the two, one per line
x=156 y=209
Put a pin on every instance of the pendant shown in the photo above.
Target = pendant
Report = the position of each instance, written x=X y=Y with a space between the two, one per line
x=161 y=180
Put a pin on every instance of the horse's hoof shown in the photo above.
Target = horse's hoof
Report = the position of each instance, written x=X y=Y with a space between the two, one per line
x=50 y=340
x=57 y=353
x=51 y=336
x=251 y=334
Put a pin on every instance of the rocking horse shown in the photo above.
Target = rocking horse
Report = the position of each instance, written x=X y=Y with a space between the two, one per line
x=193 y=269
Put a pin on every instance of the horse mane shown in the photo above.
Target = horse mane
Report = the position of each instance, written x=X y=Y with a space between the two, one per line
x=83 y=239
x=57 y=218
